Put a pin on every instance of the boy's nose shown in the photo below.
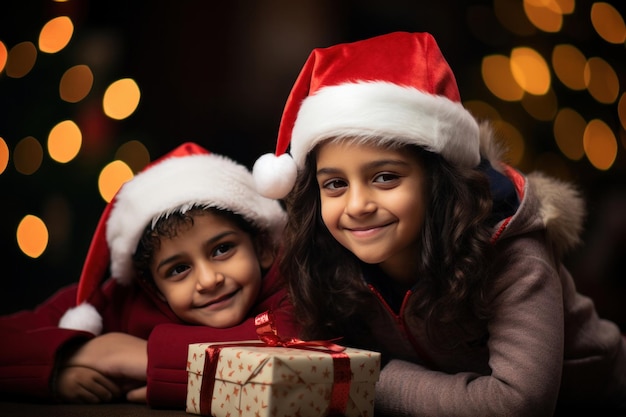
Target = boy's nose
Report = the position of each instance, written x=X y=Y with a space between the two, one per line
x=208 y=279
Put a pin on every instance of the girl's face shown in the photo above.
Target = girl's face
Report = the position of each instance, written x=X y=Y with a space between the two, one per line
x=373 y=202
x=210 y=272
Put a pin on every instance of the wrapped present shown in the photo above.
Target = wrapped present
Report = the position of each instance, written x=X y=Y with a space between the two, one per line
x=254 y=379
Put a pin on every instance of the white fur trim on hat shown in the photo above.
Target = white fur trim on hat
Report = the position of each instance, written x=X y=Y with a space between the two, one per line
x=274 y=176
x=175 y=185
x=388 y=112
x=82 y=317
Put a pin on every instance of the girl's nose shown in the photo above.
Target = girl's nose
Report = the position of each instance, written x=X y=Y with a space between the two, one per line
x=208 y=279
x=359 y=201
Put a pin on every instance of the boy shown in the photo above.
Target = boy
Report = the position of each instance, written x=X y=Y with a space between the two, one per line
x=190 y=247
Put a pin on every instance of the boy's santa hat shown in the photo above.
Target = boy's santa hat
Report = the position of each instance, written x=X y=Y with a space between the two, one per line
x=186 y=177
x=391 y=88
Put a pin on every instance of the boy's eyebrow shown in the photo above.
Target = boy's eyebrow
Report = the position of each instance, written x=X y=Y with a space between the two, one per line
x=370 y=165
x=214 y=239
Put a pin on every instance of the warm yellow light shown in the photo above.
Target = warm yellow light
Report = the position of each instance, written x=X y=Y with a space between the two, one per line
x=601 y=80
x=530 y=70
x=600 y=144
x=76 y=83
x=546 y=17
x=621 y=110
x=481 y=110
x=4 y=53
x=497 y=76
x=541 y=107
x=112 y=177
x=32 y=236
x=27 y=155
x=121 y=99
x=608 y=22
x=56 y=34
x=566 y=6
x=569 y=66
x=21 y=59
x=569 y=128
x=64 y=141
x=135 y=154
x=4 y=155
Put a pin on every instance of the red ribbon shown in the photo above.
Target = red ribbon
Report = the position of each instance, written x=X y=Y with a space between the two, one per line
x=266 y=330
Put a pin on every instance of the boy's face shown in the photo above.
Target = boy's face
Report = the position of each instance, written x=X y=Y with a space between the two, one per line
x=209 y=273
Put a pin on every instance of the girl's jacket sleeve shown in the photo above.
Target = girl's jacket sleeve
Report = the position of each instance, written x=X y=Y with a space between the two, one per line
x=30 y=343
x=168 y=345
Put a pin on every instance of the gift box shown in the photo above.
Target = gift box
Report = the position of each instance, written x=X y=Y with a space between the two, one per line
x=253 y=379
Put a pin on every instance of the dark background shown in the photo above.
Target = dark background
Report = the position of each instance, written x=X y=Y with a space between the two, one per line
x=218 y=73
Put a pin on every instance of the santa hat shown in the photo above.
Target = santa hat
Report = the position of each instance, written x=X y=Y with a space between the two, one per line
x=391 y=88
x=186 y=177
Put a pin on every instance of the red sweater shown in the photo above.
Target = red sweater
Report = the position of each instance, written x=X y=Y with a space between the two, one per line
x=31 y=339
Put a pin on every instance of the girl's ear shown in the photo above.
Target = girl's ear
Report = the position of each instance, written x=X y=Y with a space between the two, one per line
x=264 y=251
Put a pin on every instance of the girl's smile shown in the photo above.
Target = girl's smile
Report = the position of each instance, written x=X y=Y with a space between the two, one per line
x=373 y=201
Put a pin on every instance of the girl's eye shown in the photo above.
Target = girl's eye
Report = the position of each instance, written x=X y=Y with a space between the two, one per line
x=385 y=177
x=334 y=184
x=222 y=249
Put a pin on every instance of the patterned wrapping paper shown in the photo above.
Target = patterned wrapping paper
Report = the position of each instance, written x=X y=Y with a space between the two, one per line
x=252 y=379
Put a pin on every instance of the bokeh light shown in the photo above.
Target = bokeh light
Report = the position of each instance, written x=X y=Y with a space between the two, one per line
x=56 y=34
x=32 y=236
x=601 y=80
x=27 y=155
x=112 y=177
x=545 y=15
x=569 y=128
x=121 y=98
x=21 y=59
x=608 y=22
x=134 y=154
x=482 y=110
x=569 y=66
x=76 y=83
x=3 y=55
x=4 y=155
x=511 y=14
x=543 y=107
x=497 y=75
x=621 y=110
x=530 y=70
x=600 y=144
x=64 y=141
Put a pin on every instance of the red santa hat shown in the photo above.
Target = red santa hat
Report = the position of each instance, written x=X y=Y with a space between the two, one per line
x=391 y=88
x=186 y=177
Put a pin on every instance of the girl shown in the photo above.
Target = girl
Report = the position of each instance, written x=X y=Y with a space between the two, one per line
x=408 y=234
x=190 y=246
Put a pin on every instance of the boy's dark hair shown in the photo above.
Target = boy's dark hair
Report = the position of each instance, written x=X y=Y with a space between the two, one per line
x=169 y=226
x=325 y=279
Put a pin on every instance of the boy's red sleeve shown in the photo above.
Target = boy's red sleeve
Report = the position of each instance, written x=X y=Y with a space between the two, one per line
x=30 y=342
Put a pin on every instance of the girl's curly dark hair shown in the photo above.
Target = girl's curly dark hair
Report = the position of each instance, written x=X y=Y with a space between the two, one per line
x=325 y=279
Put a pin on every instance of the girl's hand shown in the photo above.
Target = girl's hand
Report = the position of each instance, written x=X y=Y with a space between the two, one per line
x=82 y=385
x=137 y=395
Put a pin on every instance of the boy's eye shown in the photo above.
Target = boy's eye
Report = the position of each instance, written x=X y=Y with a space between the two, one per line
x=334 y=184
x=222 y=249
x=178 y=269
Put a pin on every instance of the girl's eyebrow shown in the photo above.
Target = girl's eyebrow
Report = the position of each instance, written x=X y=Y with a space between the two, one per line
x=370 y=165
x=210 y=241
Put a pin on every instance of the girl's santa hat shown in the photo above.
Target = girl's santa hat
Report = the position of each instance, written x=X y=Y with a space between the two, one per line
x=391 y=88
x=186 y=177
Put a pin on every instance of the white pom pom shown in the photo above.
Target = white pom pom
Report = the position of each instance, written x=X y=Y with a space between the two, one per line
x=83 y=317
x=274 y=176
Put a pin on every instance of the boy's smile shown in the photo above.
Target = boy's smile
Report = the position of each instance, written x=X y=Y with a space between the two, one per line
x=210 y=272
x=373 y=201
